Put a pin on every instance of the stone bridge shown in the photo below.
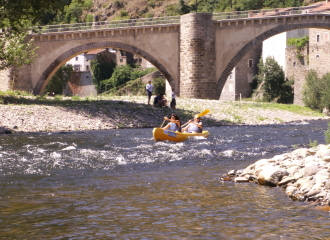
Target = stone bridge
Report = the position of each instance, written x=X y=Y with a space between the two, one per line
x=195 y=54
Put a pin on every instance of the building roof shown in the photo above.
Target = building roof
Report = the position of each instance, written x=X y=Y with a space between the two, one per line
x=323 y=7
x=97 y=51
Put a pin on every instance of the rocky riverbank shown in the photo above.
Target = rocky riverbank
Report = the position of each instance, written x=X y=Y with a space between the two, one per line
x=32 y=114
x=303 y=173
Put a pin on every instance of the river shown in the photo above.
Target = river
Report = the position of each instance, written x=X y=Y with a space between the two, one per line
x=120 y=184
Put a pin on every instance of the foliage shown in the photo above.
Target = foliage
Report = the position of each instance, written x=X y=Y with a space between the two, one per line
x=312 y=144
x=274 y=86
x=312 y=91
x=183 y=8
x=102 y=70
x=133 y=87
x=159 y=85
x=17 y=52
x=58 y=82
x=298 y=42
x=15 y=14
x=327 y=135
x=89 y=18
x=123 y=74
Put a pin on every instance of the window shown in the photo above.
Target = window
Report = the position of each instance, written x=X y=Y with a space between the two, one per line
x=231 y=75
x=87 y=68
x=294 y=64
x=317 y=56
x=250 y=63
x=121 y=60
x=76 y=67
x=318 y=38
x=76 y=58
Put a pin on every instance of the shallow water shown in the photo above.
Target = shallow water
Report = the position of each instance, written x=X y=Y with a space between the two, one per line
x=120 y=184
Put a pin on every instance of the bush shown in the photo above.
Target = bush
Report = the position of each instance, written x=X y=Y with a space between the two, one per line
x=102 y=70
x=327 y=135
x=58 y=82
x=159 y=85
x=274 y=86
x=89 y=18
x=312 y=91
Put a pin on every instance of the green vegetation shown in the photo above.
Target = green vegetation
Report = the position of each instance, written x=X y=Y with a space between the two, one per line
x=272 y=85
x=316 y=93
x=300 y=43
x=312 y=144
x=121 y=75
x=58 y=82
x=327 y=135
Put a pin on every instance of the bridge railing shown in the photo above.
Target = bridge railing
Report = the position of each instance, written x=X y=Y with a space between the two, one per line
x=104 y=25
x=265 y=13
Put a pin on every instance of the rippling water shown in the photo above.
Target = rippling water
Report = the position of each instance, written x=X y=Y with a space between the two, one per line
x=120 y=184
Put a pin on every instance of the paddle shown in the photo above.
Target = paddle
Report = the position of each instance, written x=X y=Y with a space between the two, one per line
x=199 y=115
x=163 y=123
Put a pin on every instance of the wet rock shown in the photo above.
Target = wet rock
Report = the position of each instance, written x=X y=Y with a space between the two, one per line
x=225 y=179
x=297 y=195
x=271 y=176
x=241 y=179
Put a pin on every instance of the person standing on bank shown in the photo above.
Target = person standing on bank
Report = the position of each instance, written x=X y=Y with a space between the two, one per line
x=173 y=102
x=195 y=126
x=149 y=89
x=175 y=123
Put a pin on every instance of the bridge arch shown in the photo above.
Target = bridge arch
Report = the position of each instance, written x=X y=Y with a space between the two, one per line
x=63 y=58
x=256 y=41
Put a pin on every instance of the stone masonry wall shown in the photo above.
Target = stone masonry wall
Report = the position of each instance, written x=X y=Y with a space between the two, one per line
x=319 y=50
x=5 y=79
x=298 y=70
x=246 y=69
x=238 y=82
x=197 y=56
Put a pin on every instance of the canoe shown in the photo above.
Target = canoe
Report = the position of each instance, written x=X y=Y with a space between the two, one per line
x=161 y=135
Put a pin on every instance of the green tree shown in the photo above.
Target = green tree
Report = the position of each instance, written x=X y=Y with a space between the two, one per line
x=16 y=52
x=159 y=85
x=102 y=70
x=274 y=86
x=58 y=82
x=312 y=91
x=183 y=8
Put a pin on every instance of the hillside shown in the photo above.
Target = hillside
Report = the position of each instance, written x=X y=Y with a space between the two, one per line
x=105 y=10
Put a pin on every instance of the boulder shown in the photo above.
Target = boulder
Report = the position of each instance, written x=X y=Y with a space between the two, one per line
x=311 y=169
x=313 y=192
x=327 y=184
x=271 y=176
x=241 y=179
x=291 y=170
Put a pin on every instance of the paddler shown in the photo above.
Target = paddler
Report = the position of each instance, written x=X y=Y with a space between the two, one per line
x=175 y=123
x=195 y=126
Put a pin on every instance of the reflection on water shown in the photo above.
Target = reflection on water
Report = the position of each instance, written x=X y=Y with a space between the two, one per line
x=120 y=184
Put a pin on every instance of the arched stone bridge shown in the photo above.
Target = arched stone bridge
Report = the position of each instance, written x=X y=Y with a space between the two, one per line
x=196 y=55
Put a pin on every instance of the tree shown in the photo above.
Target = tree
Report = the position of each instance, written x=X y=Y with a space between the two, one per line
x=58 y=82
x=274 y=86
x=316 y=91
x=312 y=90
x=102 y=70
x=15 y=52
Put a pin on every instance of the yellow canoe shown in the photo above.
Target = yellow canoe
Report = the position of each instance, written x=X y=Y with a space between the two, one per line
x=161 y=134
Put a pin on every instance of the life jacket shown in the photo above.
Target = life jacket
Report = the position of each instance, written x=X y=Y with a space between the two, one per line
x=174 y=127
x=193 y=128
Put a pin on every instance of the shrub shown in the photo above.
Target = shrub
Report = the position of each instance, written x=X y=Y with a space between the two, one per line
x=159 y=85
x=327 y=135
x=89 y=18
x=312 y=91
x=274 y=86
x=149 y=15
x=58 y=82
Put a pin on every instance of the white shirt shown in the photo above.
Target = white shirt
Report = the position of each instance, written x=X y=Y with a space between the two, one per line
x=173 y=94
x=149 y=87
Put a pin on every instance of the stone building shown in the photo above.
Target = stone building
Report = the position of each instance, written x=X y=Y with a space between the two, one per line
x=238 y=83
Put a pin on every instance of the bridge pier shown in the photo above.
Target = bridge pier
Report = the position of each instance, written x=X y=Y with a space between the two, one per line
x=197 y=56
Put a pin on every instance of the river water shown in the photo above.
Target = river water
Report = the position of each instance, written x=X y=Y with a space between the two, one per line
x=120 y=184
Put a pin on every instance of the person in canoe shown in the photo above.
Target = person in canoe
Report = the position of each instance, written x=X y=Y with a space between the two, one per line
x=195 y=126
x=175 y=123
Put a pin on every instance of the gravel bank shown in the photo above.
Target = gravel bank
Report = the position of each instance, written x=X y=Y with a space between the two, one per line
x=49 y=115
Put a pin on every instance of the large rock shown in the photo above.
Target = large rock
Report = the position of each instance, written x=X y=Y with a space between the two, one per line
x=311 y=169
x=271 y=176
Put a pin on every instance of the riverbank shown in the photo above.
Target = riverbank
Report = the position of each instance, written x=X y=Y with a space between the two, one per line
x=35 y=114
x=303 y=173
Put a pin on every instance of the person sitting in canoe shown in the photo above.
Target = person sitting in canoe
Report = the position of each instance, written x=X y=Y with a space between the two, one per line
x=195 y=126
x=175 y=123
